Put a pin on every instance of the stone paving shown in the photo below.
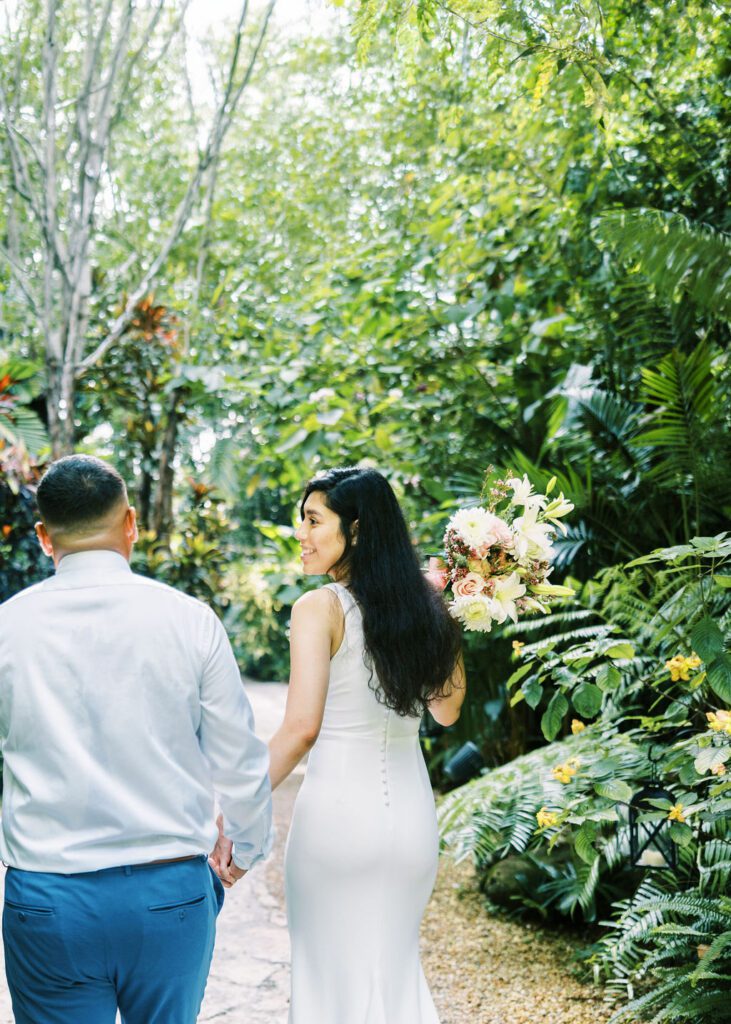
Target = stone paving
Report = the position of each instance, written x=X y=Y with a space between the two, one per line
x=249 y=979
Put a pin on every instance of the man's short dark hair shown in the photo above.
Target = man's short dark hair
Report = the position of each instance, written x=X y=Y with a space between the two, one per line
x=77 y=491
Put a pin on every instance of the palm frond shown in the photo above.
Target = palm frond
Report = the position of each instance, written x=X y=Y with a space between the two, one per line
x=23 y=426
x=683 y=390
x=679 y=258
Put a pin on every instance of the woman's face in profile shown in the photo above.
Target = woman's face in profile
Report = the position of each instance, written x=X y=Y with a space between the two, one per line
x=320 y=537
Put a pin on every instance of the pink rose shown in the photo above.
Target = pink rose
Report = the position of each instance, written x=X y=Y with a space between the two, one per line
x=437 y=573
x=469 y=585
x=499 y=535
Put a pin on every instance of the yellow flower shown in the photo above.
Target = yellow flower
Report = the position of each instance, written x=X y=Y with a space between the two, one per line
x=518 y=646
x=719 y=721
x=564 y=773
x=676 y=813
x=679 y=667
x=577 y=726
x=546 y=818
x=719 y=769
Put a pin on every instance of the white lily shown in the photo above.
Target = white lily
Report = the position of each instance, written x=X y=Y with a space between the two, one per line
x=532 y=539
x=560 y=506
x=507 y=591
x=552 y=590
x=523 y=493
x=522 y=490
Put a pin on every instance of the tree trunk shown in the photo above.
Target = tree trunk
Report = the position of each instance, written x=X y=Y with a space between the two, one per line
x=60 y=397
x=163 y=511
x=144 y=499
x=67 y=238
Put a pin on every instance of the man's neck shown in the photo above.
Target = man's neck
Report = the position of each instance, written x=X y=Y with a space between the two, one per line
x=59 y=554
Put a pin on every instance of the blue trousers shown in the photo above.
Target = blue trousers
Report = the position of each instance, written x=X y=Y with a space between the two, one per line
x=77 y=947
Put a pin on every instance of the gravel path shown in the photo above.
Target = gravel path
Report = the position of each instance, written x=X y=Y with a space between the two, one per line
x=482 y=969
x=487 y=970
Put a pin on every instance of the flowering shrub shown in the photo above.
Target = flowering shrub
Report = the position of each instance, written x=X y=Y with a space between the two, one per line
x=657 y=684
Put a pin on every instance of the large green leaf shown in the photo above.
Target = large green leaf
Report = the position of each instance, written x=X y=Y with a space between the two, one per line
x=608 y=677
x=707 y=639
x=620 y=651
x=532 y=691
x=719 y=677
x=519 y=674
x=614 y=789
x=685 y=394
x=554 y=715
x=587 y=699
x=584 y=842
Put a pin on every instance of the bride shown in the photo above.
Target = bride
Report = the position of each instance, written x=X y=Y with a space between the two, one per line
x=370 y=651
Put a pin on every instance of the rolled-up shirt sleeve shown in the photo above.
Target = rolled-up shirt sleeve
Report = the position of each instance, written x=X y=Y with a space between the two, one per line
x=239 y=760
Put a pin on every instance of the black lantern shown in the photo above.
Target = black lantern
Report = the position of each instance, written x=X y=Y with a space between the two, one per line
x=464 y=765
x=649 y=841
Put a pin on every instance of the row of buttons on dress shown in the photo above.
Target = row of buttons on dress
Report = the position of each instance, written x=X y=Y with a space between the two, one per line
x=384 y=754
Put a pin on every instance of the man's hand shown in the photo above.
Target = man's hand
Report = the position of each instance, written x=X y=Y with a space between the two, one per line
x=220 y=858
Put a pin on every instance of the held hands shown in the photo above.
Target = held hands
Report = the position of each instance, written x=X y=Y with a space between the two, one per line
x=221 y=860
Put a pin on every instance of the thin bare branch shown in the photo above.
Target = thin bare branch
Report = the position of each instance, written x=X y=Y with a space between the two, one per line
x=94 y=143
x=188 y=84
x=30 y=145
x=20 y=276
x=22 y=183
x=235 y=57
x=203 y=250
x=221 y=124
x=49 y=65
x=147 y=33
x=21 y=50
x=91 y=56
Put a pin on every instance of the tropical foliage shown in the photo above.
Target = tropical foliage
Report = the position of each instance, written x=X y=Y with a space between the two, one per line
x=654 y=681
x=438 y=237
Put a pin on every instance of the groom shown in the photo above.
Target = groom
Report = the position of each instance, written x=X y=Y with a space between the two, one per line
x=121 y=715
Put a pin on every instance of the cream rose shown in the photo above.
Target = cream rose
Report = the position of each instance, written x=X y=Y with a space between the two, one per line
x=469 y=586
x=475 y=613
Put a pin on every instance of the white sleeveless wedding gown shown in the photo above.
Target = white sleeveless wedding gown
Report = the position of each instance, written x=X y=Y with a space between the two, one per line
x=361 y=857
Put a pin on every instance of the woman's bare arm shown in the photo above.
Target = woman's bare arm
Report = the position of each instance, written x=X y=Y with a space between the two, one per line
x=446 y=710
x=313 y=626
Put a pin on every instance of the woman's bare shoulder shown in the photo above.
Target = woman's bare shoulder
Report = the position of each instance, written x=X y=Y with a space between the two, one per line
x=323 y=601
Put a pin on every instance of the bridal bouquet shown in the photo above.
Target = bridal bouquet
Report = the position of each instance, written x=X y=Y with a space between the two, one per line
x=498 y=559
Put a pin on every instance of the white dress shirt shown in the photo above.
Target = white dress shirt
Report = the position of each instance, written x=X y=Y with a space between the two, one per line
x=122 y=713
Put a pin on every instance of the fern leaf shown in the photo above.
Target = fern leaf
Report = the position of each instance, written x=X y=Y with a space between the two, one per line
x=680 y=258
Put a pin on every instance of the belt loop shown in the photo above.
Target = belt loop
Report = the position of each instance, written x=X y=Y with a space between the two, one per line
x=128 y=869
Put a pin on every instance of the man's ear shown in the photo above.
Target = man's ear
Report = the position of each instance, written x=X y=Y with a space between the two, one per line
x=130 y=525
x=43 y=539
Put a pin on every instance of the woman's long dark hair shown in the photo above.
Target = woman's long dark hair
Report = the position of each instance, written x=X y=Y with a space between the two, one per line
x=411 y=641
